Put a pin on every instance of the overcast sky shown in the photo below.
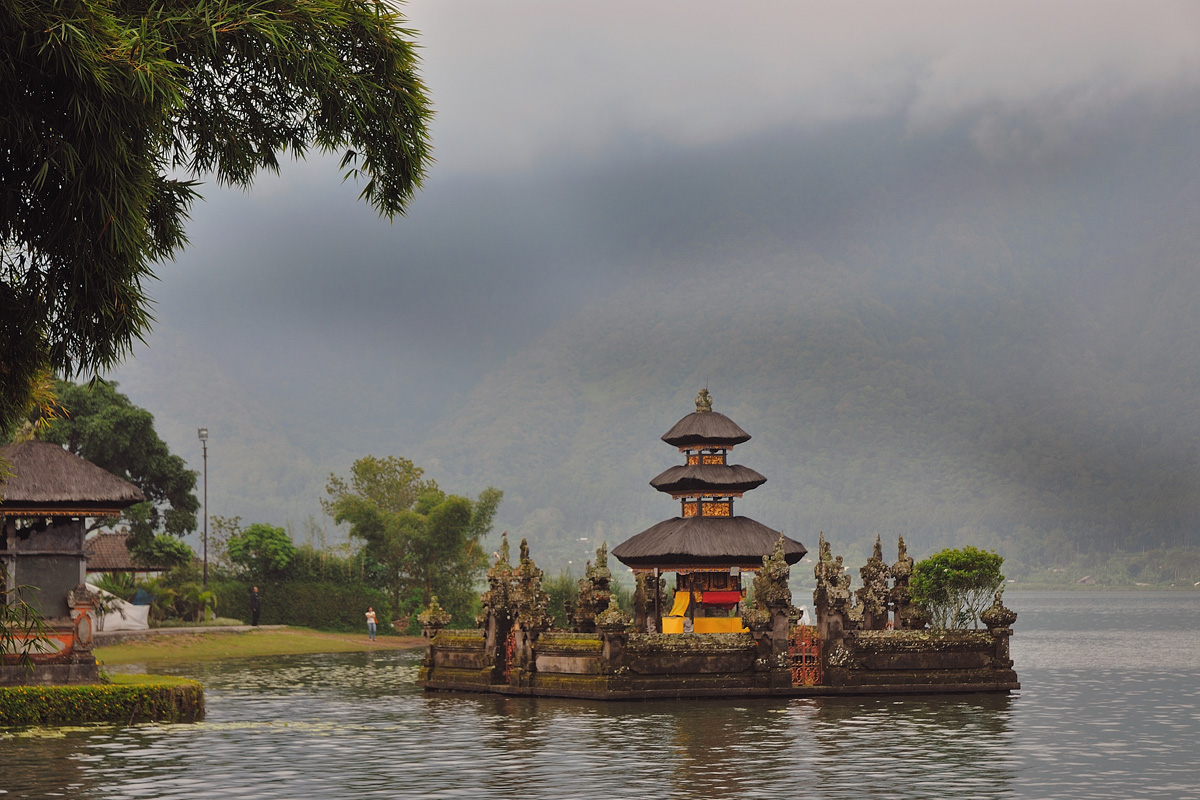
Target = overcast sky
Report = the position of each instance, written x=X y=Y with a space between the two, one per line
x=536 y=101
x=575 y=141
x=521 y=83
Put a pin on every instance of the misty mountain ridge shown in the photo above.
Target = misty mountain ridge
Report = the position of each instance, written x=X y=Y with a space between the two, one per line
x=961 y=413
x=1013 y=365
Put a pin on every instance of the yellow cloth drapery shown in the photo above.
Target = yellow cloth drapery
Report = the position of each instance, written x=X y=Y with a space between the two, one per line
x=682 y=599
x=718 y=625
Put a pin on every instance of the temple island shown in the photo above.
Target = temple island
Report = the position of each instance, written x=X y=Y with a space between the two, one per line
x=705 y=635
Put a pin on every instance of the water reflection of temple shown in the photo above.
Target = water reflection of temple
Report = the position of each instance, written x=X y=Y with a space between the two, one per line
x=707 y=547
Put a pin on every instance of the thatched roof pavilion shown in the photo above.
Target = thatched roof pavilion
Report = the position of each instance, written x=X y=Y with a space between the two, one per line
x=48 y=481
x=43 y=505
x=707 y=535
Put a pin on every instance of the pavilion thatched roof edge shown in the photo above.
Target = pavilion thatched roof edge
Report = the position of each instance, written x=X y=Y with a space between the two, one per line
x=49 y=480
x=704 y=541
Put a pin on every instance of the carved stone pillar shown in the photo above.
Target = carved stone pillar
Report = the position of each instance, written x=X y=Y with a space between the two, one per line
x=594 y=591
x=644 y=603
x=613 y=626
x=907 y=615
x=83 y=616
x=614 y=640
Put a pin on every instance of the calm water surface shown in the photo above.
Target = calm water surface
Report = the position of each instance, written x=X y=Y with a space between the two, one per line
x=1110 y=708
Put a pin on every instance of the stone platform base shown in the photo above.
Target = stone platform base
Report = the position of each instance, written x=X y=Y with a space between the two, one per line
x=50 y=674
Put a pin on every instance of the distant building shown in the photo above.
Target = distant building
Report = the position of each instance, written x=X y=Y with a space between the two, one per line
x=107 y=552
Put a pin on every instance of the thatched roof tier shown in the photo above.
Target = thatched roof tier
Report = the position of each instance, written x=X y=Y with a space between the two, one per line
x=681 y=543
x=705 y=429
x=48 y=481
x=710 y=479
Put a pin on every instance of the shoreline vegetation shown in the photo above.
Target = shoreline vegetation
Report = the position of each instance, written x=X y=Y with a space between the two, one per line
x=211 y=645
x=126 y=700
x=135 y=697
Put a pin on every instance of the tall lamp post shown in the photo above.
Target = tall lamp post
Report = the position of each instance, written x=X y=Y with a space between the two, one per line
x=203 y=432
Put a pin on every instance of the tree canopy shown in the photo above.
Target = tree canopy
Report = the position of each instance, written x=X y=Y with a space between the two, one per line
x=101 y=425
x=424 y=541
x=955 y=586
x=262 y=550
x=111 y=109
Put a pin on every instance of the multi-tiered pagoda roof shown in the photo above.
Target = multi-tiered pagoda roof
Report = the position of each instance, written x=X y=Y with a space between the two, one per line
x=706 y=535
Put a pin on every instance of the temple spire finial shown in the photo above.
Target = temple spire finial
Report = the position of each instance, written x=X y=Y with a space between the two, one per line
x=704 y=401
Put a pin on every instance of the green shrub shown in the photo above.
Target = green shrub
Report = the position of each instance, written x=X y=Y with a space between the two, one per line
x=322 y=605
x=261 y=550
x=129 y=699
x=564 y=594
x=122 y=584
x=311 y=564
x=955 y=586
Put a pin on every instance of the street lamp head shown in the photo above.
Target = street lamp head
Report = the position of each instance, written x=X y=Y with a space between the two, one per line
x=203 y=433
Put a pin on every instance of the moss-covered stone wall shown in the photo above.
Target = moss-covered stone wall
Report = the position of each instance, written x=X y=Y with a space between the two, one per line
x=931 y=657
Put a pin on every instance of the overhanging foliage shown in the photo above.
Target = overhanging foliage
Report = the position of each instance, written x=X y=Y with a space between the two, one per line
x=109 y=110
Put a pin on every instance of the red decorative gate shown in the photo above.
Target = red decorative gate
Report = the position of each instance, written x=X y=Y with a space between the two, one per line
x=804 y=647
x=510 y=653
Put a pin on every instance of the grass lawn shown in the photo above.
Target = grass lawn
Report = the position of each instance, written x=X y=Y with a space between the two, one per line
x=131 y=679
x=200 y=646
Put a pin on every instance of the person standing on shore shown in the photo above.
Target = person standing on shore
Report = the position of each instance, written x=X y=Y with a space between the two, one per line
x=371 y=623
x=254 y=606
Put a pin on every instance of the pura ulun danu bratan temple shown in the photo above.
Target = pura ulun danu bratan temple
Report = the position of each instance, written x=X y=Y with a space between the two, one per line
x=707 y=546
x=716 y=633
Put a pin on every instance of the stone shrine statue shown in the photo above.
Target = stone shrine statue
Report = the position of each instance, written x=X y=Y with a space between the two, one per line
x=832 y=598
x=594 y=592
x=908 y=616
x=874 y=595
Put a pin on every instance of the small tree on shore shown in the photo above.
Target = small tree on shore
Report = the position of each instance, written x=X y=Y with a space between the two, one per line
x=955 y=586
x=424 y=541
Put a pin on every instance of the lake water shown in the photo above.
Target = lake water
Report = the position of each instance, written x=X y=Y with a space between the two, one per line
x=1110 y=708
